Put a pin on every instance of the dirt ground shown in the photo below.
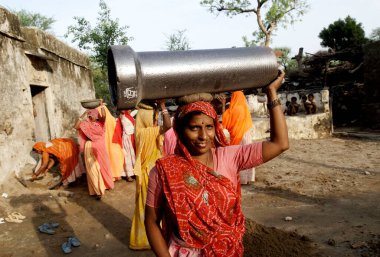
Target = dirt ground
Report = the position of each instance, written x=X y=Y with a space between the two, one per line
x=320 y=198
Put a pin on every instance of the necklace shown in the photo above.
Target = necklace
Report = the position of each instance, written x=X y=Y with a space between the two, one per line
x=205 y=194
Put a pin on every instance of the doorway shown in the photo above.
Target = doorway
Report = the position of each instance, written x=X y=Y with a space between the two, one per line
x=41 y=119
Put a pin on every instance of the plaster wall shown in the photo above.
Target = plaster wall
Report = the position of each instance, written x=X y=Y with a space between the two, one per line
x=32 y=60
x=299 y=127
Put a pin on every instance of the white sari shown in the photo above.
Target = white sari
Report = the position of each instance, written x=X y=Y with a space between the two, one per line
x=128 y=151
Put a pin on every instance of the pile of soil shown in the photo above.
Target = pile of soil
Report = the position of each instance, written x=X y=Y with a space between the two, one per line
x=262 y=241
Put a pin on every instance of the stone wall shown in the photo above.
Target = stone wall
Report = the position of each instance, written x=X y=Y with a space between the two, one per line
x=42 y=83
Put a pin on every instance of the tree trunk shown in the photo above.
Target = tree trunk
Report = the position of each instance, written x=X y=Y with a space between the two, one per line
x=267 y=40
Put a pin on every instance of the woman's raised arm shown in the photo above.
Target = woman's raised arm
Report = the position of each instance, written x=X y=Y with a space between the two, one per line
x=279 y=141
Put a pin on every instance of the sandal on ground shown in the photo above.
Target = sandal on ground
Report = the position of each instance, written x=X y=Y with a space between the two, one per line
x=17 y=215
x=66 y=247
x=12 y=219
x=48 y=228
x=74 y=241
x=129 y=179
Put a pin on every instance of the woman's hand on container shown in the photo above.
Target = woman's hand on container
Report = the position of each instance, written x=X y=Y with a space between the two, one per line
x=276 y=84
x=84 y=114
x=161 y=103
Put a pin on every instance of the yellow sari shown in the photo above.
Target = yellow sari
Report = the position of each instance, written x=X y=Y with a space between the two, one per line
x=148 y=141
x=114 y=150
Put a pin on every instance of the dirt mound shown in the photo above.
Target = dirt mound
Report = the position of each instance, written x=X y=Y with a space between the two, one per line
x=261 y=241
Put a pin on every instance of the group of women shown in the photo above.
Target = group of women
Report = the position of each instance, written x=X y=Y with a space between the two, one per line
x=108 y=148
x=188 y=201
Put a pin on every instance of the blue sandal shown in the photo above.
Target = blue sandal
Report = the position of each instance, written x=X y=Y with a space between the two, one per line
x=47 y=229
x=66 y=247
x=74 y=241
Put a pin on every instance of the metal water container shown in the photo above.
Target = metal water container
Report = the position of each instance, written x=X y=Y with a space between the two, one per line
x=135 y=76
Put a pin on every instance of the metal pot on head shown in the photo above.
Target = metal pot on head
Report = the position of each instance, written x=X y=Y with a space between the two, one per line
x=135 y=76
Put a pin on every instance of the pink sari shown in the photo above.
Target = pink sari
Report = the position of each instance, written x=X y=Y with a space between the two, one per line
x=94 y=131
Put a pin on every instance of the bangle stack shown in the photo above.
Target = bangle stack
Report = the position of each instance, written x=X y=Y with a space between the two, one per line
x=165 y=111
x=273 y=103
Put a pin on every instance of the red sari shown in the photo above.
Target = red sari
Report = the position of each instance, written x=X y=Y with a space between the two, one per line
x=206 y=205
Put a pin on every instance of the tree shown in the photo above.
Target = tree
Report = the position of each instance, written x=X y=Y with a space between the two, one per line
x=283 y=56
x=375 y=34
x=343 y=34
x=97 y=41
x=270 y=14
x=178 y=41
x=30 y=19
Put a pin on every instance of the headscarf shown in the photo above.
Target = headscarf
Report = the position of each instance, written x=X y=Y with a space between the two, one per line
x=145 y=116
x=207 y=109
x=237 y=118
x=40 y=146
x=206 y=205
x=117 y=136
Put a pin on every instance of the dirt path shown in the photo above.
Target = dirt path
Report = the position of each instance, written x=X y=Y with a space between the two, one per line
x=330 y=188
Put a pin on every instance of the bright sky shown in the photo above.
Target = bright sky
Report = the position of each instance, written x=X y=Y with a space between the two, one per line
x=152 y=21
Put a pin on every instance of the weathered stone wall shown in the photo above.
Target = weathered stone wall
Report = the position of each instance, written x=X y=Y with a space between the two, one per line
x=34 y=63
x=299 y=127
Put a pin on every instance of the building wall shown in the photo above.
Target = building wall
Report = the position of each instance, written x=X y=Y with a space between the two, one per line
x=42 y=83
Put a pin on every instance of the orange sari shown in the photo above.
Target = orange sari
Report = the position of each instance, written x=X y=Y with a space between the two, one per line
x=65 y=150
x=237 y=118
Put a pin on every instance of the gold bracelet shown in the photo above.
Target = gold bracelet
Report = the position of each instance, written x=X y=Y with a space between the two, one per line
x=273 y=103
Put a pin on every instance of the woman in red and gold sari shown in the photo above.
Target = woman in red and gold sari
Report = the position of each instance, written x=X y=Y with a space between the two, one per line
x=196 y=192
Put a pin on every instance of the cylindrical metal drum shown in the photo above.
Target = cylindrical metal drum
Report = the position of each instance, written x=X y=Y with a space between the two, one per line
x=135 y=76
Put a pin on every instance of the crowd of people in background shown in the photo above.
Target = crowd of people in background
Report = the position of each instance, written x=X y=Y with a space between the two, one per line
x=307 y=105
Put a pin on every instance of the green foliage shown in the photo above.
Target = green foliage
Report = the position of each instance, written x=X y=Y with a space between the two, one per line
x=100 y=79
x=343 y=34
x=30 y=19
x=285 y=59
x=178 y=41
x=258 y=36
x=97 y=40
x=375 y=34
x=270 y=14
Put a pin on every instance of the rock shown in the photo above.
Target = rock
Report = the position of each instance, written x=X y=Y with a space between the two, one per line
x=65 y=194
x=331 y=242
x=288 y=218
x=359 y=245
x=367 y=173
x=107 y=236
